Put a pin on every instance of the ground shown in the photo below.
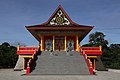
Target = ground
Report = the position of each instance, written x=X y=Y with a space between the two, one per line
x=9 y=74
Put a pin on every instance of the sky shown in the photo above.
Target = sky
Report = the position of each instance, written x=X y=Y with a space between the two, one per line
x=16 y=14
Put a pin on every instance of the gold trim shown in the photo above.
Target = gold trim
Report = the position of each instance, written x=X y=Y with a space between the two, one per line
x=65 y=42
x=53 y=43
x=27 y=56
x=100 y=48
x=18 y=47
x=91 y=56
x=41 y=43
x=94 y=64
x=77 y=43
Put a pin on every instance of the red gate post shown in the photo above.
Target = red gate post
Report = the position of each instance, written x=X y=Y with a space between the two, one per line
x=91 y=70
x=28 y=71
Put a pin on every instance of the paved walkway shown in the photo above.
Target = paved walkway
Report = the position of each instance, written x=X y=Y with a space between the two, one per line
x=114 y=70
x=9 y=74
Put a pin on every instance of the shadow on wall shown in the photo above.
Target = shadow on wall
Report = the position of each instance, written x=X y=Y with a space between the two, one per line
x=99 y=65
x=33 y=63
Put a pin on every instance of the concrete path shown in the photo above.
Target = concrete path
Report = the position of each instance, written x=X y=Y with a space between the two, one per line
x=114 y=70
x=9 y=74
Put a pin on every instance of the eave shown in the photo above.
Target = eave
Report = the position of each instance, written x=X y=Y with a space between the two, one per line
x=32 y=29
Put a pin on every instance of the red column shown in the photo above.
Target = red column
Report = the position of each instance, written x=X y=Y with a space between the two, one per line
x=28 y=71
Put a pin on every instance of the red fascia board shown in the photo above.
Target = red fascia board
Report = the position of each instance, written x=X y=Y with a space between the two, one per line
x=28 y=48
x=59 y=28
x=93 y=52
x=26 y=52
x=91 y=48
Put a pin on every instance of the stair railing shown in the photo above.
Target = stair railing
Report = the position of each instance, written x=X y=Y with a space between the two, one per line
x=89 y=63
x=29 y=64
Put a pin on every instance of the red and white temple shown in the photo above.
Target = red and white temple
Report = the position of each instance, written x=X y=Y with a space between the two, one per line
x=59 y=33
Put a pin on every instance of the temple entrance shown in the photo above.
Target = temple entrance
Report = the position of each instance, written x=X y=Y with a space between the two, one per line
x=59 y=43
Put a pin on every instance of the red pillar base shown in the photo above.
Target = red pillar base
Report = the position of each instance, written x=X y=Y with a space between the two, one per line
x=91 y=70
x=28 y=71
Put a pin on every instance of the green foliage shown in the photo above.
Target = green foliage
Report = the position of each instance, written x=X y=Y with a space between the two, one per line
x=97 y=39
x=8 y=55
x=111 y=54
x=115 y=56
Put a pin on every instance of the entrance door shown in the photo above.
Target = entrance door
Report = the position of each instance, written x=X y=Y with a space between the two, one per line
x=59 y=43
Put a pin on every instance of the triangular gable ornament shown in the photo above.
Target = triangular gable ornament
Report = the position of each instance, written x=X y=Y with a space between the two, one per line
x=59 y=18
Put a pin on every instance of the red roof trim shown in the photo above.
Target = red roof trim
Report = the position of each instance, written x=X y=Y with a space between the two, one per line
x=61 y=27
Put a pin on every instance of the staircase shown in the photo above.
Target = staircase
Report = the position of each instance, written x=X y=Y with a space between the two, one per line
x=60 y=63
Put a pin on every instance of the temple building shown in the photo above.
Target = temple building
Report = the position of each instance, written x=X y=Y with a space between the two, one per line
x=58 y=34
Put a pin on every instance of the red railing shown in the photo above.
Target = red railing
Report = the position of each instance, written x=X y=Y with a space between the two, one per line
x=30 y=51
x=26 y=50
x=92 y=50
x=29 y=64
x=88 y=62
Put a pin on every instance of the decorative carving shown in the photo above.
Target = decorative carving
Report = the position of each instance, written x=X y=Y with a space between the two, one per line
x=48 y=45
x=70 y=45
x=59 y=19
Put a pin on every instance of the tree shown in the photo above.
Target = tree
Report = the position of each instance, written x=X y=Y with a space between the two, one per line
x=8 y=55
x=98 y=39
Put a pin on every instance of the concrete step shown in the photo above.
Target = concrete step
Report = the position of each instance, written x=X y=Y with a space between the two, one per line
x=19 y=65
x=61 y=64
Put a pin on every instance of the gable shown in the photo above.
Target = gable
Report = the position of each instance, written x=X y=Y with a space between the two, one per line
x=59 y=17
